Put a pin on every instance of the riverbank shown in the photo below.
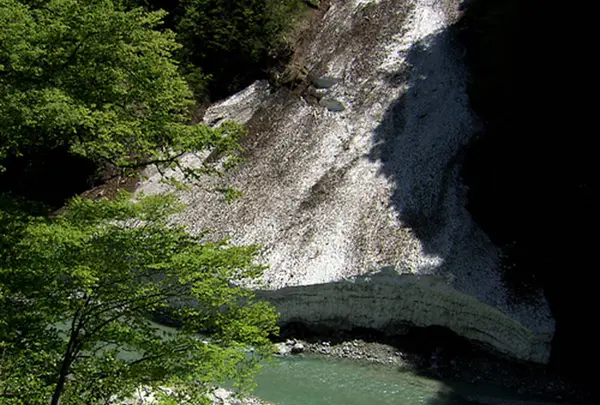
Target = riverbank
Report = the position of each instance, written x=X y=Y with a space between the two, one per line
x=219 y=396
x=222 y=396
x=456 y=371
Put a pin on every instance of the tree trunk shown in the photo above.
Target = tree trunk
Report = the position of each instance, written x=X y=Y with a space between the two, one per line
x=62 y=378
x=70 y=354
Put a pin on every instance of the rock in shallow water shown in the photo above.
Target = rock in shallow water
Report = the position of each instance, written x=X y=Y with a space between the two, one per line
x=297 y=348
x=282 y=349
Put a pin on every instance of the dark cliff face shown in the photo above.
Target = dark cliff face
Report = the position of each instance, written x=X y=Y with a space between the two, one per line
x=529 y=171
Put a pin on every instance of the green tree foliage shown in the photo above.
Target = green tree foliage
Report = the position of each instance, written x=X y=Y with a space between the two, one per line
x=76 y=292
x=233 y=41
x=100 y=80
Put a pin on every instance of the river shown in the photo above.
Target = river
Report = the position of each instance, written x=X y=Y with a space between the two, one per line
x=309 y=379
x=319 y=381
x=312 y=380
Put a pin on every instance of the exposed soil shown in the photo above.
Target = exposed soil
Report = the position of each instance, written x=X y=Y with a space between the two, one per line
x=112 y=184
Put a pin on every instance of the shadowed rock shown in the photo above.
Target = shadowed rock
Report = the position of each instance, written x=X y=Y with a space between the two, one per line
x=332 y=104
x=324 y=82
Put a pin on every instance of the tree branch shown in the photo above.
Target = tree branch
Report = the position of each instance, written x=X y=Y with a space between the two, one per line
x=142 y=306
x=158 y=356
x=68 y=357
x=144 y=163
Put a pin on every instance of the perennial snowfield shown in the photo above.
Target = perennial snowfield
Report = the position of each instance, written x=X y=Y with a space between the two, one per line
x=353 y=187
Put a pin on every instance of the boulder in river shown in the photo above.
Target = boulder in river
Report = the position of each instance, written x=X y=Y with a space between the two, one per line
x=297 y=348
x=282 y=349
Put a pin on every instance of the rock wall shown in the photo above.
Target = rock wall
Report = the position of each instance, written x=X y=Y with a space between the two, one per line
x=358 y=171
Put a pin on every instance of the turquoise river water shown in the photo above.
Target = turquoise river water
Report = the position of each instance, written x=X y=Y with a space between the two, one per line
x=317 y=380
x=307 y=380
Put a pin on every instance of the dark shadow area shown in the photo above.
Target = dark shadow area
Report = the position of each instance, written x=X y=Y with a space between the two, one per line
x=410 y=141
x=49 y=176
x=527 y=172
x=502 y=47
x=240 y=50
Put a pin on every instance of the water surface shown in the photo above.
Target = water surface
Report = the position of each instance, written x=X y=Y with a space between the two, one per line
x=308 y=380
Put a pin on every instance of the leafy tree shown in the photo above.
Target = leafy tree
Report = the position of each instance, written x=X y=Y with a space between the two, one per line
x=233 y=41
x=76 y=293
x=98 y=79
x=227 y=44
